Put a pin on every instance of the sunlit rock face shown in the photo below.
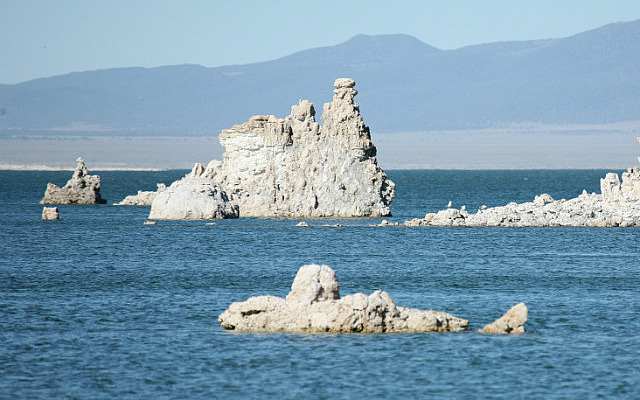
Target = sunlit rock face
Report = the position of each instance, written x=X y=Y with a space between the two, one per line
x=314 y=305
x=295 y=167
x=192 y=197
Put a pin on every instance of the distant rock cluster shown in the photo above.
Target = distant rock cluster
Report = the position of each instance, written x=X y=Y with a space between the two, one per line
x=314 y=305
x=293 y=167
x=82 y=188
x=142 y=198
x=617 y=205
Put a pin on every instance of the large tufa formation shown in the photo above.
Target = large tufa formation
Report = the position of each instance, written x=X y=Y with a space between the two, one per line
x=82 y=188
x=314 y=305
x=294 y=167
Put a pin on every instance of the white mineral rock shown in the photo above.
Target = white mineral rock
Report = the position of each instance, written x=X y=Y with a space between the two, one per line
x=510 y=323
x=192 y=197
x=143 y=198
x=82 y=188
x=314 y=305
x=294 y=167
x=618 y=205
x=50 y=213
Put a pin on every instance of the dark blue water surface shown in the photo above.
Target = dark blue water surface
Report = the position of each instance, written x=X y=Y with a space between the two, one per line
x=98 y=305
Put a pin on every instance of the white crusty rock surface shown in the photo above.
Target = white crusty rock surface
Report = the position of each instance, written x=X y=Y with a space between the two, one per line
x=295 y=167
x=50 y=213
x=314 y=305
x=193 y=197
x=614 y=207
x=142 y=198
x=618 y=204
x=82 y=188
x=511 y=322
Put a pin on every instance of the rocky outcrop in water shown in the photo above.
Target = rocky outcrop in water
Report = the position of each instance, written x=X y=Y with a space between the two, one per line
x=50 y=213
x=593 y=210
x=193 y=197
x=511 y=322
x=629 y=189
x=314 y=305
x=142 y=198
x=295 y=167
x=618 y=205
x=82 y=188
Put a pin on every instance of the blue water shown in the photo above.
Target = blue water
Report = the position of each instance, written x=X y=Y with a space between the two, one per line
x=98 y=305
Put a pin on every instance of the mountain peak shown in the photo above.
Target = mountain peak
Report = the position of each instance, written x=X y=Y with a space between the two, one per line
x=389 y=41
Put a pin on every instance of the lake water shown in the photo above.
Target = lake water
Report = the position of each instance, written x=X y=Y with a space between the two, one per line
x=98 y=305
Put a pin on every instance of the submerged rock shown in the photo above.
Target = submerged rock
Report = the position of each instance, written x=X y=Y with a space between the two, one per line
x=314 y=305
x=82 y=188
x=192 y=197
x=295 y=167
x=50 y=213
x=510 y=323
x=142 y=198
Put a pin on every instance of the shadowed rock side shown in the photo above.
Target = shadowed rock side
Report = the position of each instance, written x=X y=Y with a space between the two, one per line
x=314 y=305
x=82 y=188
x=618 y=204
x=294 y=167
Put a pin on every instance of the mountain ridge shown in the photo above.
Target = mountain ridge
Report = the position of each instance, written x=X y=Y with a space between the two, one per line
x=404 y=84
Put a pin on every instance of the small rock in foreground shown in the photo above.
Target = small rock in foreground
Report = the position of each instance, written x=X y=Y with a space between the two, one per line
x=50 y=213
x=510 y=323
x=314 y=305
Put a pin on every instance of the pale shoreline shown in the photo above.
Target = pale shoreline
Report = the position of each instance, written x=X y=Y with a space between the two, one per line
x=446 y=150
x=44 y=168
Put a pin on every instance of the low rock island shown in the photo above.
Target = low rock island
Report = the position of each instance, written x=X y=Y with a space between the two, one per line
x=617 y=205
x=314 y=305
x=295 y=167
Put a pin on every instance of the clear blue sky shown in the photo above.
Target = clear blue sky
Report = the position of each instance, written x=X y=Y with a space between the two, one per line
x=46 y=37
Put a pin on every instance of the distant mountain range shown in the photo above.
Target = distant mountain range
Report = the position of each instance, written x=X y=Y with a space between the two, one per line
x=405 y=85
